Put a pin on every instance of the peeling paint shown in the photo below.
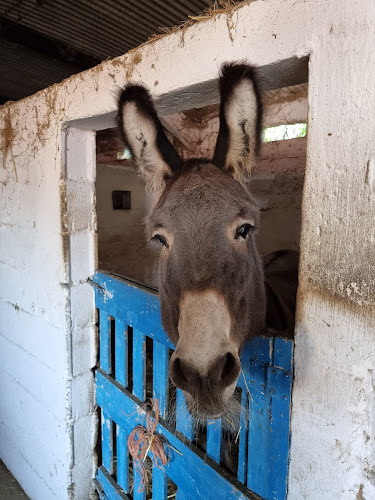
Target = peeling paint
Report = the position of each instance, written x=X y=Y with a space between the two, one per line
x=64 y=221
x=7 y=138
x=107 y=295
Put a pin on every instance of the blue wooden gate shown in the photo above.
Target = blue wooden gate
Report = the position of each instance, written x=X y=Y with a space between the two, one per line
x=128 y=314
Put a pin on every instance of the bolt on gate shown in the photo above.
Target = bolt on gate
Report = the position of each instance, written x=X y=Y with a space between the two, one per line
x=130 y=325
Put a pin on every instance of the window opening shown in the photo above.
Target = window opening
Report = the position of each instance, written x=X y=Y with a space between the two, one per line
x=284 y=132
x=121 y=200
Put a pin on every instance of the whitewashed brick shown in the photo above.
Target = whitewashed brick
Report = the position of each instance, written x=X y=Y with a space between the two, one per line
x=84 y=350
x=83 y=395
x=82 y=252
x=80 y=155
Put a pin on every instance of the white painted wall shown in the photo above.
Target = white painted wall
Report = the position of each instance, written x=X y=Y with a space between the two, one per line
x=46 y=332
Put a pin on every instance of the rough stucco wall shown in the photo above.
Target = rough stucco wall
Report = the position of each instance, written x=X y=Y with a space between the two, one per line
x=334 y=380
x=33 y=350
x=333 y=395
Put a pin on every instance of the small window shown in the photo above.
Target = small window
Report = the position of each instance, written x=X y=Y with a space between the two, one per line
x=284 y=132
x=121 y=200
x=124 y=154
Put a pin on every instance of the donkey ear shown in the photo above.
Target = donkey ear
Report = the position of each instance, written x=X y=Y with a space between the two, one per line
x=154 y=155
x=239 y=138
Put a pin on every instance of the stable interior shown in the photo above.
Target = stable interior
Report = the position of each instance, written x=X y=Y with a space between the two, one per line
x=276 y=183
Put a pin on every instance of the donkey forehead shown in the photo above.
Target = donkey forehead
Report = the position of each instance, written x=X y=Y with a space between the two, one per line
x=202 y=193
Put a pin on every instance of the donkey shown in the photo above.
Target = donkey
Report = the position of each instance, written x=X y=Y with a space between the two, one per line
x=212 y=290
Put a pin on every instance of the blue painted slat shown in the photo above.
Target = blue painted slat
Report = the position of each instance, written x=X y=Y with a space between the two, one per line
x=121 y=352
x=260 y=348
x=280 y=387
x=283 y=353
x=105 y=341
x=180 y=495
x=159 y=484
x=111 y=489
x=184 y=421
x=107 y=442
x=187 y=467
x=122 y=459
x=244 y=384
x=214 y=439
x=135 y=306
x=242 y=437
x=99 y=489
x=160 y=376
x=259 y=431
x=137 y=493
x=139 y=364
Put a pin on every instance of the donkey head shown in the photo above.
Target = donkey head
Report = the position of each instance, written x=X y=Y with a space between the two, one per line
x=204 y=220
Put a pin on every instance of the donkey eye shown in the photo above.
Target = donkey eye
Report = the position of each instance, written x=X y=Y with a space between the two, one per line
x=243 y=231
x=160 y=239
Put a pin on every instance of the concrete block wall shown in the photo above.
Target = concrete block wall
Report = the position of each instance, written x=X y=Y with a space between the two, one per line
x=46 y=253
x=79 y=231
x=34 y=371
x=47 y=344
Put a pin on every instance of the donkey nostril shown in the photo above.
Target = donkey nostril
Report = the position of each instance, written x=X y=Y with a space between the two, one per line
x=229 y=365
x=230 y=369
x=177 y=374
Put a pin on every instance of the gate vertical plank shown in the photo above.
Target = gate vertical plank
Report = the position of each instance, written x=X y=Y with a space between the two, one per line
x=121 y=352
x=160 y=376
x=214 y=439
x=139 y=364
x=245 y=385
x=283 y=353
x=180 y=495
x=122 y=459
x=184 y=421
x=159 y=484
x=105 y=341
x=107 y=442
x=242 y=452
x=137 y=493
x=280 y=387
x=259 y=430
